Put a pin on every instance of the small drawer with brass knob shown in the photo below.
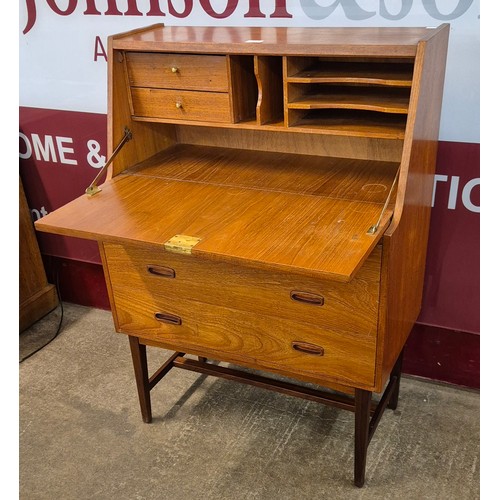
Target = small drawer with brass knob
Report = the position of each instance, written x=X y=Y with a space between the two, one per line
x=208 y=73
x=181 y=105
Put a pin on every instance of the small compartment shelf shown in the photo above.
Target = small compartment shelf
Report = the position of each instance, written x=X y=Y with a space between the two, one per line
x=361 y=96
x=321 y=96
x=365 y=73
x=349 y=122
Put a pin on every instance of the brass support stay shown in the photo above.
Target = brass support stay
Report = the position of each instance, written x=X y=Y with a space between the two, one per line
x=373 y=229
x=94 y=188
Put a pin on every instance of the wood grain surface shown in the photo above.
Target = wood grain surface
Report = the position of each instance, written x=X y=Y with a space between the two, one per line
x=365 y=73
x=181 y=104
x=247 y=338
x=322 y=233
x=405 y=244
x=384 y=100
x=178 y=71
x=386 y=42
x=349 y=308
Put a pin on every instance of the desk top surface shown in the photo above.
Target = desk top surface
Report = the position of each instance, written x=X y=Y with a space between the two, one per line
x=385 y=41
x=297 y=213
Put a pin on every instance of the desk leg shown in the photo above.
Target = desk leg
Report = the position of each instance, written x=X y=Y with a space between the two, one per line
x=396 y=371
x=362 y=401
x=140 y=362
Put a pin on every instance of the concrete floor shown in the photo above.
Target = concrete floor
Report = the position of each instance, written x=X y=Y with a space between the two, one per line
x=82 y=437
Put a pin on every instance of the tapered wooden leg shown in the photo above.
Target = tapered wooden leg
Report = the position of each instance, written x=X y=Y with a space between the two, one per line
x=362 y=401
x=202 y=359
x=396 y=372
x=140 y=361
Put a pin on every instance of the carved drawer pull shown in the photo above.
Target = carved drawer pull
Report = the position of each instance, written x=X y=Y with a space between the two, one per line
x=178 y=105
x=174 y=69
x=305 y=347
x=166 y=272
x=168 y=318
x=307 y=298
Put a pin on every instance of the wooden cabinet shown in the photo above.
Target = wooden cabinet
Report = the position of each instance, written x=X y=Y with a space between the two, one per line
x=272 y=206
x=37 y=296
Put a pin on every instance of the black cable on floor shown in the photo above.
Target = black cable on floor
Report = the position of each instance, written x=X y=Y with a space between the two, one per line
x=58 y=331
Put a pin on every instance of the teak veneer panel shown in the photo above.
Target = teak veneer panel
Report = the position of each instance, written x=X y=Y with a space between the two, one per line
x=296 y=232
x=391 y=75
x=367 y=98
x=350 y=122
x=405 y=242
x=178 y=71
x=278 y=140
x=349 y=308
x=239 y=221
x=181 y=104
x=291 y=173
x=385 y=42
x=248 y=338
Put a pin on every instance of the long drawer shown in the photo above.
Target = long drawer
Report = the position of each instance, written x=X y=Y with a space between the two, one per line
x=255 y=340
x=350 y=308
x=178 y=71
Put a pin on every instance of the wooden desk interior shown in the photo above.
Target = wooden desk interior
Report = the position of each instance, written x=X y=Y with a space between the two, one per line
x=306 y=214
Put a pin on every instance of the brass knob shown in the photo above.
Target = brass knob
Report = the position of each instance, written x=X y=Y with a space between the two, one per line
x=178 y=105
x=174 y=69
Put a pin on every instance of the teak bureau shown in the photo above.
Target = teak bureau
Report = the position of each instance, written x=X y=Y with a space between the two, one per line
x=267 y=204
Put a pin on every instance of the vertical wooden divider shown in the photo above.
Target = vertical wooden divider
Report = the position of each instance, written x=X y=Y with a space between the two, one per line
x=269 y=75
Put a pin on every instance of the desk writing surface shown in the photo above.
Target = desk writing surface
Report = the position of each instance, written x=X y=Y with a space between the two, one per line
x=299 y=213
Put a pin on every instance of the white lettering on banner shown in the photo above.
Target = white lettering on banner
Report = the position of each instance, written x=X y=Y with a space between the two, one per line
x=58 y=149
x=63 y=150
x=38 y=214
x=454 y=190
x=27 y=154
x=94 y=159
x=45 y=149
x=466 y=195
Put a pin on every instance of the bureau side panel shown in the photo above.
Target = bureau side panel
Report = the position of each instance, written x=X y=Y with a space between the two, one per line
x=405 y=241
x=109 y=285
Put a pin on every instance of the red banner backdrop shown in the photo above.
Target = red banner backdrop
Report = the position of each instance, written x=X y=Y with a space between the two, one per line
x=61 y=152
x=451 y=293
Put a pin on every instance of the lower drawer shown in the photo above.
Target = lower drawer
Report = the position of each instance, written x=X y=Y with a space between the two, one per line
x=181 y=104
x=350 y=308
x=287 y=347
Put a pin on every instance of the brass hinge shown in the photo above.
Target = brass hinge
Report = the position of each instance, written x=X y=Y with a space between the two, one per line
x=181 y=243
x=94 y=188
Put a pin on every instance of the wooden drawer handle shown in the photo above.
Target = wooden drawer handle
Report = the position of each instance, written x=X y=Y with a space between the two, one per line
x=305 y=347
x=307 y=298
x=165 y=272
x=168 y=318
